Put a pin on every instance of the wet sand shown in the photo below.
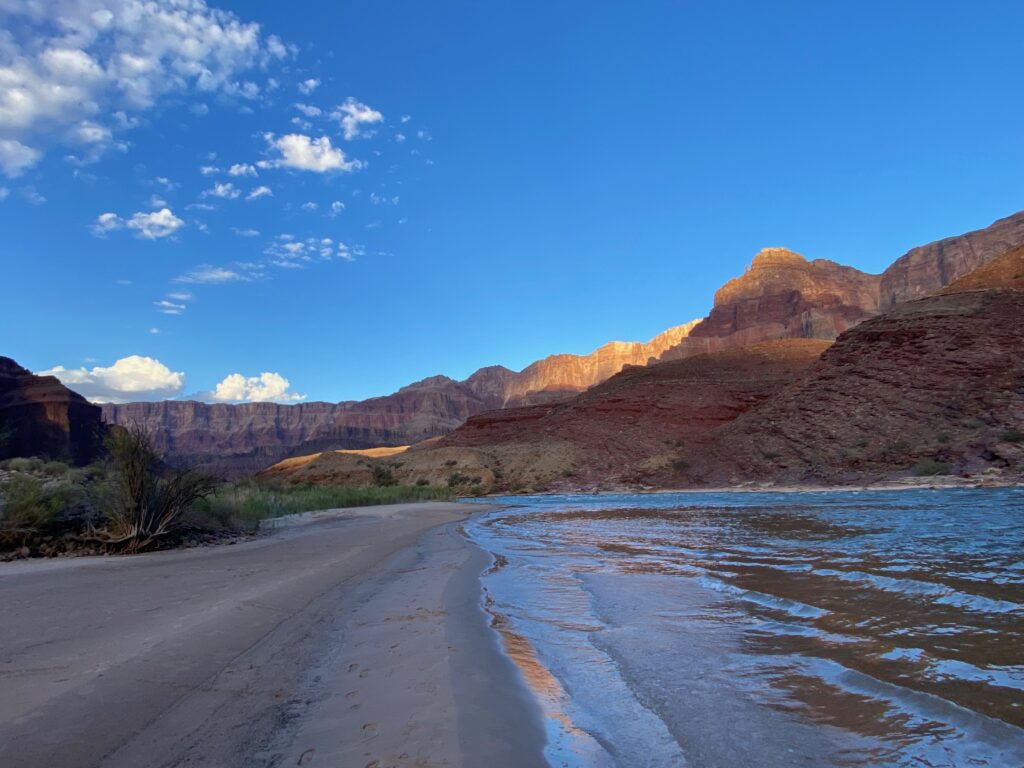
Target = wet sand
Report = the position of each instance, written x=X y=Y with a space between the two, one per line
x=354 y=638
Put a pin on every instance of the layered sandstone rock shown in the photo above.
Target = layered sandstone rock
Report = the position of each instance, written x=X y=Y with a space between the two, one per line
x=237 y=439
x=782 y=295
x=39 y=416
x=928 y=268
x=638 y=425
x=933 y=385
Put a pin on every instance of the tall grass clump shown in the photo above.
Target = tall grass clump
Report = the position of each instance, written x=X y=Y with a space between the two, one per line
x=245 y=503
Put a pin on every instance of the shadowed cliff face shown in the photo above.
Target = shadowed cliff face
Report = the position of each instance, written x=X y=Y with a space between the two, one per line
x=39 y=416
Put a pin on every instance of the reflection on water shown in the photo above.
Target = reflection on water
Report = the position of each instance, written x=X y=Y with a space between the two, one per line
x=874 y=628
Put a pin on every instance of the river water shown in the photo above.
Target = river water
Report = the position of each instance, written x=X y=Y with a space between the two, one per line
x=766 y=629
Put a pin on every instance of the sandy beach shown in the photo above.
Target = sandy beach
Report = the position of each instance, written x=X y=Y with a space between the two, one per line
x=353 y=638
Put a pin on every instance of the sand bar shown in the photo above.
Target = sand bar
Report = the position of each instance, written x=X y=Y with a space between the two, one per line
x=351 y=639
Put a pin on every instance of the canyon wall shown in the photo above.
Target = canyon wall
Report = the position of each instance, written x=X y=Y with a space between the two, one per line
x=39 y=416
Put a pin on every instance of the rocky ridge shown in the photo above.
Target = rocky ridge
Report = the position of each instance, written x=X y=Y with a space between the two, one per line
x=39 y=416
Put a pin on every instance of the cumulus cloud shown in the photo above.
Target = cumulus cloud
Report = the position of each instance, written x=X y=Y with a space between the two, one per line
x=337 y=207
x=130 y=378
x=242 y=169
x=155 y=225
x=65 y=64
x=309 y=111
x=260 y=192
x=225 y=191
x=307 y=154
x=106 y=222
x=353 y=115
x=308 y=86
x=267 y=387
x=15 y=157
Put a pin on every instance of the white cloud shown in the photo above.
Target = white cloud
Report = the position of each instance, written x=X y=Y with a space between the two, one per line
x=337 y=207
x=130 y=378
x=242 y=169
x=163 y=181
x=267 y=387
x=206 y=273
x=72 y=62
x=406 y=118
x=400 y=137
x=246 y=232
x=259 y=192
x=4 y=192
x=155 y=201
x=199 y=108
x=208 y=170
x=15 y=157
x=383 y=199
x=106 y=222
x=308 y=86
x=166 y=307
x=308 y=154
x=309 y=111
x=353 y=115
x=155 y=225
x=154 y=331
x=226 y=191
x=309 y=206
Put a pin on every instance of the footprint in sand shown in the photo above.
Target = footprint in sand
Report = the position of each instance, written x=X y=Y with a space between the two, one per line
x=370 y=729
x=351 y=695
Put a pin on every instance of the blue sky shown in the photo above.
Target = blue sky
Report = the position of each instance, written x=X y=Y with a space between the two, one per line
x=463 y=183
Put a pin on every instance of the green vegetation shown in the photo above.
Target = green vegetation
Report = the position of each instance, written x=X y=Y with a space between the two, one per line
x=242 y=505
x=1012 y=436
x=133 y=502
x=931 y=468
x=771 y=455
x=680 y=465
x=382 y=476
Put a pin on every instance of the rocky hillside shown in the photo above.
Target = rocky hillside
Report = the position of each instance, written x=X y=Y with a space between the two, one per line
x=39 y=416
x=619 y=433
x=241 y=439
x=934 y=386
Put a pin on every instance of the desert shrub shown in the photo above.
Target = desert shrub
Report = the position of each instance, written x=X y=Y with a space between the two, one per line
x=942 y=437
x=457 y=478
x=680 y=465
x=382 y=476
x=54 y=468
x=145 y=503
x=931 y=468
x=22 y=464
x=771 y=455
x=451 y=463
x=27 y=508
x=1012 y=436
x=422 y=481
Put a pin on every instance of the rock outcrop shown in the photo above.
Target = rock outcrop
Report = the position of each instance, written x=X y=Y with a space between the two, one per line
x=933 y=386
x=39 y=416
x=782 y=295
x=928 y=268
